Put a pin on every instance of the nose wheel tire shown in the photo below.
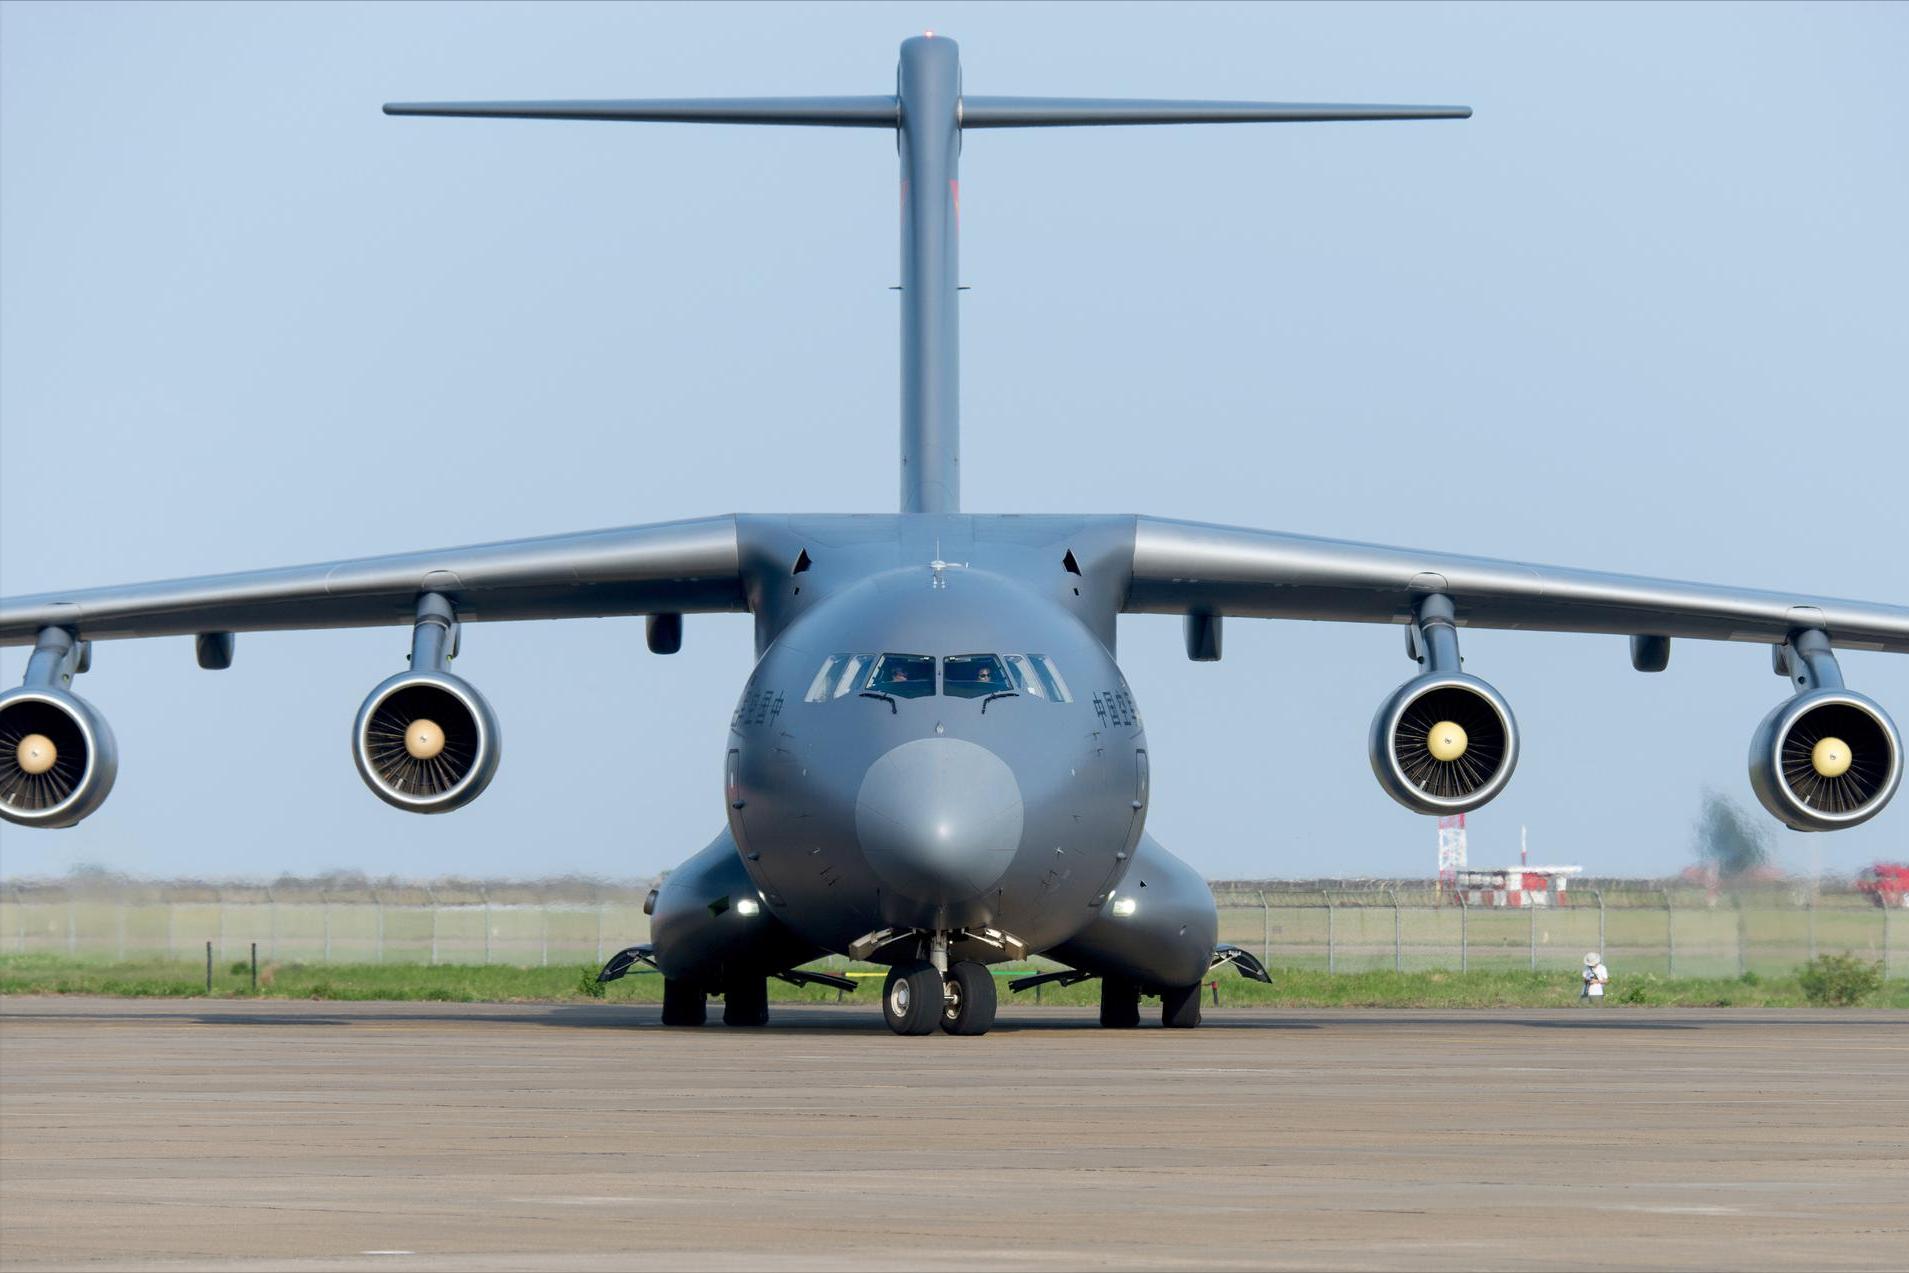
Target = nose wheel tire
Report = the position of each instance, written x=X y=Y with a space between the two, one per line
x=683 y=1003
x=746 y=1001
x=1180 y=1007
x=1119 y=1003
x=912 y=998
x=968 y=1005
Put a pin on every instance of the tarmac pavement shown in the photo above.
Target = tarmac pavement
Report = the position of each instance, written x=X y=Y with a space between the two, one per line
x=214 y=1134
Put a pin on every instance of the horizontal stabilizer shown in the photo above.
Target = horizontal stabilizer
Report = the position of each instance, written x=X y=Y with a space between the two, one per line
x=1065 y=112
x=827 y=112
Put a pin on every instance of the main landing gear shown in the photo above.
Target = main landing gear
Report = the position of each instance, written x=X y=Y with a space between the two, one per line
x=917 y=998
x=745 y=1002
x=684 y=1003
x=1120 y=1005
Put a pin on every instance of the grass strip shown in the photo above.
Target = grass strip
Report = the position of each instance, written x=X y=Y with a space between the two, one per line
x=1291 y=988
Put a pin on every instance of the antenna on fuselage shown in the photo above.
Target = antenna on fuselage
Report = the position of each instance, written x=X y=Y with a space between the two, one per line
x=929 y=113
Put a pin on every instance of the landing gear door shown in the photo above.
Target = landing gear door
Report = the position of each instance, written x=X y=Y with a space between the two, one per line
x=734 y=799
x=1134 y=827
x=1140 y=785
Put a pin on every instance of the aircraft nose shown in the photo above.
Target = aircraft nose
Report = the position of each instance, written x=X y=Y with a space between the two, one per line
x=939 y=819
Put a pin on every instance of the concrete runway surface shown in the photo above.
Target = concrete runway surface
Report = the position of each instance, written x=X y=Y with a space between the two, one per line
x=240 y=1135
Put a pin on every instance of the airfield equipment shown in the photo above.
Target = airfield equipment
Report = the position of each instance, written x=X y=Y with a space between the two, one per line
x=1516 y=886
x=1887 y=882
x=936 y=762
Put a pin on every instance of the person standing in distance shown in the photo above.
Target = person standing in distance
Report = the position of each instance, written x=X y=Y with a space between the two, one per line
x=1596 y=975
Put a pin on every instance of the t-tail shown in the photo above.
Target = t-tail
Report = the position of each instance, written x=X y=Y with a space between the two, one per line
x=929 y=112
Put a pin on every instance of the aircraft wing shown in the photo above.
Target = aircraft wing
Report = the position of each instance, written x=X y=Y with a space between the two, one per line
x=1195 y=568
x=670 y=567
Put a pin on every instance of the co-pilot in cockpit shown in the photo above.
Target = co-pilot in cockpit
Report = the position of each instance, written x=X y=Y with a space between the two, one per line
x=962 y=676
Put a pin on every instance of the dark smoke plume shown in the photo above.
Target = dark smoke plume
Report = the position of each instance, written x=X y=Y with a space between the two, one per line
x=1730 y=840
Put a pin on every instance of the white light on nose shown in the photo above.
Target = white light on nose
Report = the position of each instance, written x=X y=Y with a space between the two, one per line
x=1125 y=905
x=748 y=906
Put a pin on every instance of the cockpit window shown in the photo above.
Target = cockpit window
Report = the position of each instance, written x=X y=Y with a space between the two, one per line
x=913 y=676
x=1036 y=676
x=903 y=675
x=840 y=675
x=974 y=676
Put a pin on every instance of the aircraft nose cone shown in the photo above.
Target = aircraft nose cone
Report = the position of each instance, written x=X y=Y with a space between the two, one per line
x=939 y=819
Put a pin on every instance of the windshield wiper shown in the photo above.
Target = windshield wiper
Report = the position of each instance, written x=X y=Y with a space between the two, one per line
x=887 y=698
x=998 y=694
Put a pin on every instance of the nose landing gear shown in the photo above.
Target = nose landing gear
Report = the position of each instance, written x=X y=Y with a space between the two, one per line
x=969 y=1002
x=919 y=996
x=912 y=998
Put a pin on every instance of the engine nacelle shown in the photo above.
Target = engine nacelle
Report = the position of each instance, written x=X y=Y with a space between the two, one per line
x=1825 y=760
x=57 y=757
x=1444 y=743
x=426 y=742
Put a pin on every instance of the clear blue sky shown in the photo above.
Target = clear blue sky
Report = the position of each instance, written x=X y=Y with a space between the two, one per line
x=1644 y=312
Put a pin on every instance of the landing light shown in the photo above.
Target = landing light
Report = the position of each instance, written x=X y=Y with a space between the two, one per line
x=748 y=906
x=1125 y=905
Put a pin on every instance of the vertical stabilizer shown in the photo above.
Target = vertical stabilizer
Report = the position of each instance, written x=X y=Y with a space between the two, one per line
x=929 y=85
x=930 y=114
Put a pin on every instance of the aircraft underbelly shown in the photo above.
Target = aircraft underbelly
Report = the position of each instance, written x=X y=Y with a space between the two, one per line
x=1166 y=939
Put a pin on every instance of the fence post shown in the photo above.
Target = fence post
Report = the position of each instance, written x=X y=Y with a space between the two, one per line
x=1742 y=935
x=1265 y=931
x=1886 y=918
x=1534 y=931
x=1398 y=934
x=255 y=967
x=1332 y=951
x=1670 y=935
x=208 y=967
x=1464 y=923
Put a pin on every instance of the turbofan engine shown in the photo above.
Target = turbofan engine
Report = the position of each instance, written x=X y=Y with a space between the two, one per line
x=424 y=740
x=57 y=756
x=1443 y=742
x=1828 y=758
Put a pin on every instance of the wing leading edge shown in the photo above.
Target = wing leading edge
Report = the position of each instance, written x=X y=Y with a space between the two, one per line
x=1196 y=568
x=669 y=567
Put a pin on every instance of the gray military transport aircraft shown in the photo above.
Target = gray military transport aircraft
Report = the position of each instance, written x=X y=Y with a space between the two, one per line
x=936 y=763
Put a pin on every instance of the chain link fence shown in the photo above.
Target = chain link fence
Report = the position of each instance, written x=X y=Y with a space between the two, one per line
x=1412 y=926
x=522 y=925
x=1339 y=926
